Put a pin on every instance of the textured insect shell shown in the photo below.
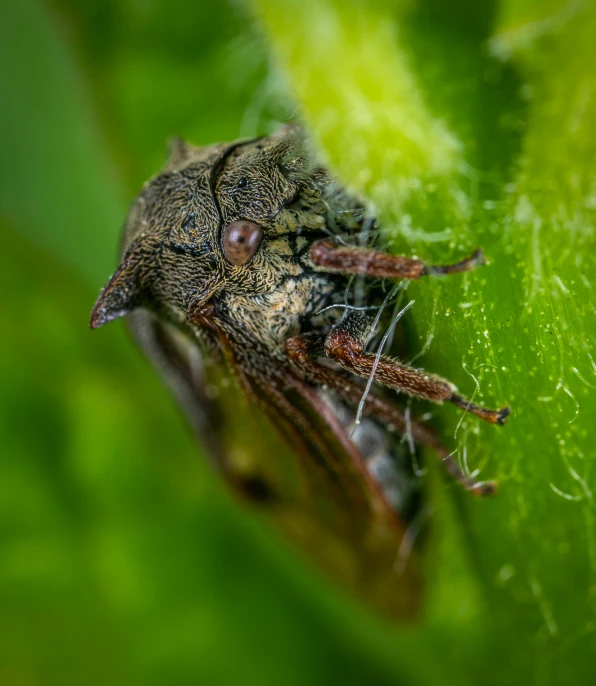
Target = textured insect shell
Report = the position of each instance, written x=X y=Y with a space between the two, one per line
x=172 y=230
x=172 y=254
x=175 y=216
x=258 y=180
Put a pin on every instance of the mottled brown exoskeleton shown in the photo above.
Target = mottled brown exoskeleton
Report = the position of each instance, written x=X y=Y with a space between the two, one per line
x=245 y=251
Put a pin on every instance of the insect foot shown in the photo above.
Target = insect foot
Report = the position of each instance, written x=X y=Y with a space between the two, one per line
x=492 y=416
x=477 y=259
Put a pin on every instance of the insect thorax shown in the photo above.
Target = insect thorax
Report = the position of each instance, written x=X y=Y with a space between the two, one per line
x=271 y=318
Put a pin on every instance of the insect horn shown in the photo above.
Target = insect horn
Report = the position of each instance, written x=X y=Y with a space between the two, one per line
x=121 y=294
x=178 y=150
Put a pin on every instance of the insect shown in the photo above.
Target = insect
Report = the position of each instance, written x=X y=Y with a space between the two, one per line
x=238 y=260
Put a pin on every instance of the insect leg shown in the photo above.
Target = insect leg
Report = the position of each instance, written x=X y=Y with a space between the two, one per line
x=345 y=344
x=333 y=257
x=303 y=351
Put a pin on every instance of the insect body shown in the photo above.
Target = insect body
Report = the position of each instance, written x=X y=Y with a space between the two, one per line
x=243 y=254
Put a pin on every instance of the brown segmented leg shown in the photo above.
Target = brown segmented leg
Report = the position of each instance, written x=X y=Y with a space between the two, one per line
x=303 y=351
x=345 y=344
x=330 y=256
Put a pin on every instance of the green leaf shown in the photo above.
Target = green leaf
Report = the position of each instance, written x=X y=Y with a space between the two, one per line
x=51 y=147
x=473 y=125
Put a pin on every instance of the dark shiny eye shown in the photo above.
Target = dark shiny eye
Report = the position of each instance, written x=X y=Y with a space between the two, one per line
x=241 y=240
x=242 y=182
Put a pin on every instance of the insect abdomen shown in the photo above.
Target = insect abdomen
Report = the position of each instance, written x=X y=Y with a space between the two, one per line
x=386 y=456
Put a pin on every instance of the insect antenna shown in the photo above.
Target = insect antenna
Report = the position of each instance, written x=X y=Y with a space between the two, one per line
x=404 y=287
x=409 y=437
x=364 y=238
x=431 y=334
x=470 y=401
x=346 y=306
x=410 y=536
x=371 y=376
x=365 y=308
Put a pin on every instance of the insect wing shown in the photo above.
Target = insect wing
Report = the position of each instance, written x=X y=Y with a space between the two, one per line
x=307 y=476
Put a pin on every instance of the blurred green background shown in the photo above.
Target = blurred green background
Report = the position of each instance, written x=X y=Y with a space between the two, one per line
x=122 y=561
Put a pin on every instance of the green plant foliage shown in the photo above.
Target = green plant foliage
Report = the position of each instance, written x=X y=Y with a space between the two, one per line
x=465 y=124
x=506 y=94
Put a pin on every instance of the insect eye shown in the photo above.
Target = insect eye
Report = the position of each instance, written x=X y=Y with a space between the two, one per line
x=241 y=240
